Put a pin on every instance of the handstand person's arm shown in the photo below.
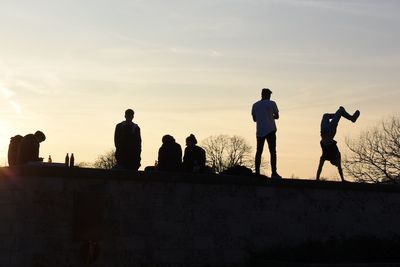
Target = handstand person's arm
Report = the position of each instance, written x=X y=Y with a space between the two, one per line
x=321 y=164
x=339 y=166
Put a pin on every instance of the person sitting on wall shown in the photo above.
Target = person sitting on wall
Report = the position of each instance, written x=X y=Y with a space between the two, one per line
x=330 y=151
x=169 y=155
x=29 y=148
x=194 y=159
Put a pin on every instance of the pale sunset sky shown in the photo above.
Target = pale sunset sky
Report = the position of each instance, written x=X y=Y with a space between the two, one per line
x=71 y=68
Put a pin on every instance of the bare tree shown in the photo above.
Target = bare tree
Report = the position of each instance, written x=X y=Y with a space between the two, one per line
x=224 y=152
x=375 y=155
x=84 y=164
x=106 y=161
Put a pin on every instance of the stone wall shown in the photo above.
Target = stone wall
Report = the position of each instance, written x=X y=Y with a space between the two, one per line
x=88 y=217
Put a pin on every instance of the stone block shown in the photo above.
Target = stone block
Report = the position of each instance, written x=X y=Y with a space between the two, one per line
x=7 y=197
x=54 y=184
x=8 y=212
x=201 y=242
x=7 y=228
x=169 y=256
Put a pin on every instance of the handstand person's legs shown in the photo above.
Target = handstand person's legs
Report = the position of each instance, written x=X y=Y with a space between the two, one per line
x=329 y=124
x=343 y=113
x=330 y=121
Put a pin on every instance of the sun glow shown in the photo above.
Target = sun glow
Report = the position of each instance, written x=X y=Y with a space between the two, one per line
x=5 y=134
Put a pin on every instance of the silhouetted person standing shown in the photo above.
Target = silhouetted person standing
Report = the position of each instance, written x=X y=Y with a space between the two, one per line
x=29 y=148
x=13 y=149
x=194 y=159
x=330 y=151
x=128 y=143
x=169 y=155
x=264 y=113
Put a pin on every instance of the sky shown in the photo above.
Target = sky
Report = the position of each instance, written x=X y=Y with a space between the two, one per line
x=71 y=68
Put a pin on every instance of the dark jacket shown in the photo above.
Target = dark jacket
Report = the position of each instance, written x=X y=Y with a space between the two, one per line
x=28 y=149
x=194 y=159
x=170 y=157
x=128 y=145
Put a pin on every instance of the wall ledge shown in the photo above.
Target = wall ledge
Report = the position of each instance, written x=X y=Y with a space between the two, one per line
x=181 y=177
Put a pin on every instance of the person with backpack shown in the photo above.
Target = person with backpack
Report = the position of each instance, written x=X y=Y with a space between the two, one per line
x=29 y=148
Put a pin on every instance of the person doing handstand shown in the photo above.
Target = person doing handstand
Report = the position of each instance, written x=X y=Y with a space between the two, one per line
x=330 y=151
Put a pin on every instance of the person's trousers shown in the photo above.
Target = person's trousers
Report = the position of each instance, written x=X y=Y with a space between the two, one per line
x=271 y=140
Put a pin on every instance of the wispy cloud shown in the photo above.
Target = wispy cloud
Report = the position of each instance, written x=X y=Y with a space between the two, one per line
x=17 y=107
x=189 y=51
x=8 y=95
x=353 y=7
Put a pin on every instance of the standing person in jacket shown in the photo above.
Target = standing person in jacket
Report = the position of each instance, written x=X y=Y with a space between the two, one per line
x=264 y=113
x=128 y=143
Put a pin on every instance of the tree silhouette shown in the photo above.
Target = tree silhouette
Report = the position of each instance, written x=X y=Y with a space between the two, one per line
x=106 y=161
x=375 y=155
x=225 y=151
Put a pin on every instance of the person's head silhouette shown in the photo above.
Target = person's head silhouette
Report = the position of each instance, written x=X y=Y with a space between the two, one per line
x=40 y=136
x=129 y=114
x=266 y=93
x=168 y=139
x=191 y=140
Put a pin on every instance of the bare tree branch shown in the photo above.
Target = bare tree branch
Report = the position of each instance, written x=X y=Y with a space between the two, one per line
x=224 y=152
x=106 y=161
x=375 y=155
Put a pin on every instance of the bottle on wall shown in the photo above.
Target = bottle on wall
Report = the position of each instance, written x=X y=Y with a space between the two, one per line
x=67 y=160
x=49 y=160
x=72 y=160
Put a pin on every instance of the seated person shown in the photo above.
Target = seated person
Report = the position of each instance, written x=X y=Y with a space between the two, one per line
x=194 y=159
x=29 y=148
x=169 y=155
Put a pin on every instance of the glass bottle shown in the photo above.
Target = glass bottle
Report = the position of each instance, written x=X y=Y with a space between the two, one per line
x=72 y=160
x=67 y=160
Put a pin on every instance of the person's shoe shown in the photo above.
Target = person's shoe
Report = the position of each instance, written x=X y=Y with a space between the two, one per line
x=355 y=116
x=275 y=175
